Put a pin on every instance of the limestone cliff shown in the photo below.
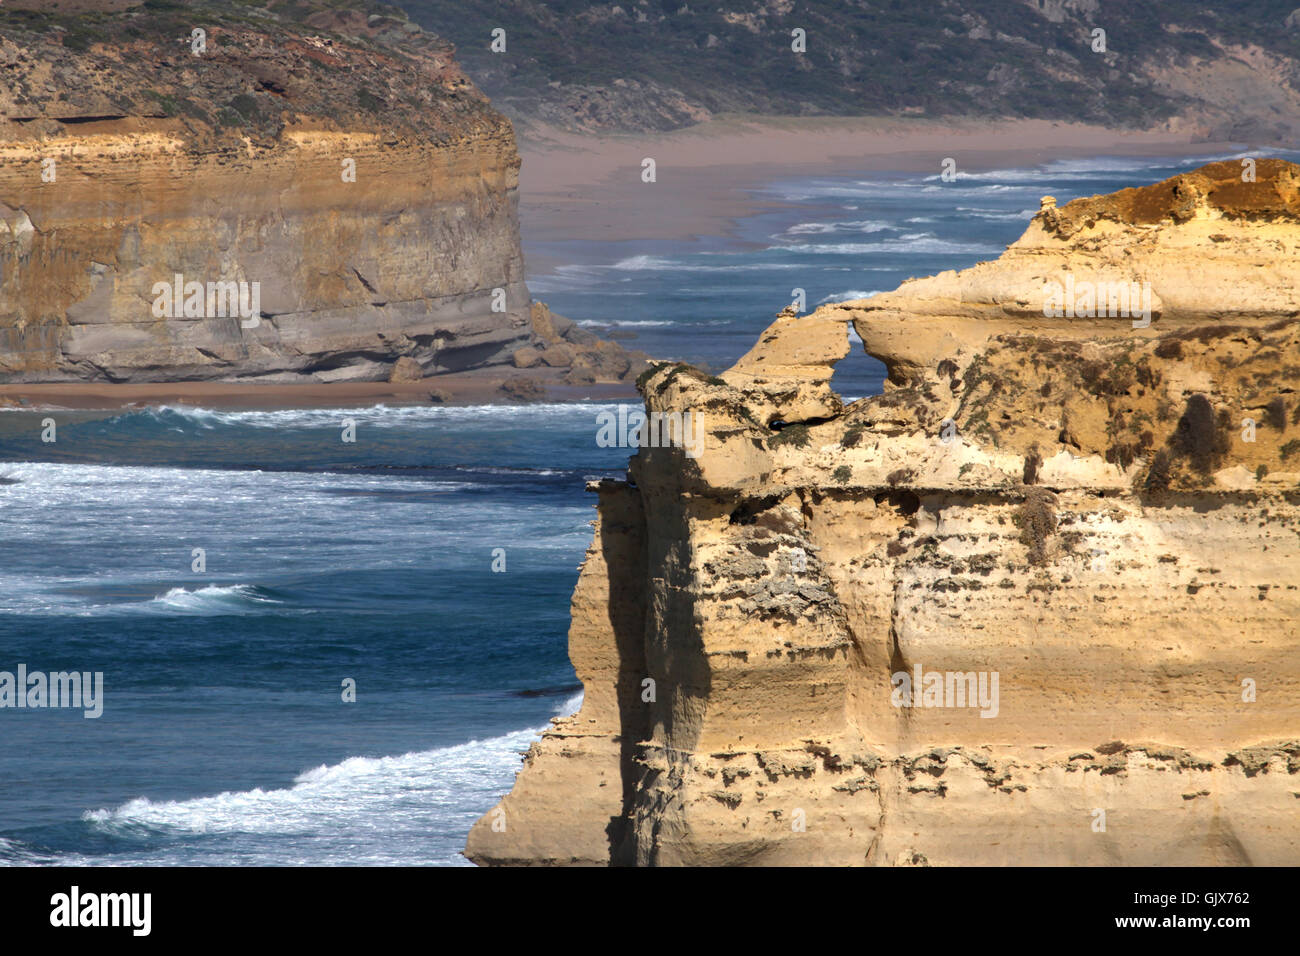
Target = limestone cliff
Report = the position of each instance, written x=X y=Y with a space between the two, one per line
x=340 y=160
x=1087 y=525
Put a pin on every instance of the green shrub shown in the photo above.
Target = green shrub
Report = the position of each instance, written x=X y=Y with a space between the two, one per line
x=1159 y=474
x=165 y=100
x=1036 y=520
x=900 y=477
x=1199 y=437
x=796 y=435
x=1033 y=461
x=369 y=101
x=1277 y=413
x=245 y=104
x=77 y=40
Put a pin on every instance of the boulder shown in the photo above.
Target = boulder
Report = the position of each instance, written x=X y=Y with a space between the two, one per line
x=557 y=356
x=581 y=337
x=521 y=388
x=526 y=358
x=548 y=326
x=406 y=369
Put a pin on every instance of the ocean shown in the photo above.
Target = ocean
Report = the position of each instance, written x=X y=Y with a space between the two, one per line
x=232 y=574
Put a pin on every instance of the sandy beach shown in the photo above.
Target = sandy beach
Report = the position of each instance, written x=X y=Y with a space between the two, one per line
x=477 y=387
x=590 y=188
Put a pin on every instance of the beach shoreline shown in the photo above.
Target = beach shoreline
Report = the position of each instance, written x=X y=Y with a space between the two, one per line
x=477 y=387
x=589 y=188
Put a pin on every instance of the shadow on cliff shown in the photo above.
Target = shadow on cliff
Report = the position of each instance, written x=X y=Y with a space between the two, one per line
x=622 y=545
x=659 y=642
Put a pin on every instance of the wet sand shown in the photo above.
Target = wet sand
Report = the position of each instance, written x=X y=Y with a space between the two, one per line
x=479 y=387
x=575 y=187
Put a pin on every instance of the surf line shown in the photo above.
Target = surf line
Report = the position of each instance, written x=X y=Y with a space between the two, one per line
x=37 y=689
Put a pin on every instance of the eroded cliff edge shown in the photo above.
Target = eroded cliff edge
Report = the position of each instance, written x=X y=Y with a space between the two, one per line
x=339 y=159
x=1074 y=503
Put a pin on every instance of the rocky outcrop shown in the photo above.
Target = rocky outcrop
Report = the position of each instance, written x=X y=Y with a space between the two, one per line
x=586 y=358
x=1035 y=604
x=337 y=163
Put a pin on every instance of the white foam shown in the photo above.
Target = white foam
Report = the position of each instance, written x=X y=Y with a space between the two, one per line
x=1085 y=169
x=156 y=516
x=660 y=264
x=849 y=295
x=918 y=243
x=822 y=228
x=641 y=263
x=819 y=189
x=506 y=470
x=998 y=215
x=212 y=599
x=363 y=810
x=379 y=416
x=14 y=853
x=621 y=323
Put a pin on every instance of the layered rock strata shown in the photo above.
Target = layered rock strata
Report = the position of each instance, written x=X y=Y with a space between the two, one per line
x=337 y=163
x=1087 y=526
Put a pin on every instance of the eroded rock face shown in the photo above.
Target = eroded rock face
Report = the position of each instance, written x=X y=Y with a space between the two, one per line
x=1067 y=506
x=1204 y=248
x=340 y=161
x=586 y=359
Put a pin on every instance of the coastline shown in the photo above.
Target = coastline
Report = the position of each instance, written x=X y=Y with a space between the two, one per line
x=588 y=188
x=476 y=387
x=582 y=187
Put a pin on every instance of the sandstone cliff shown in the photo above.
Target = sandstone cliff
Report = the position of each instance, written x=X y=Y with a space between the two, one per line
x=1096 y=512
x=339 y=160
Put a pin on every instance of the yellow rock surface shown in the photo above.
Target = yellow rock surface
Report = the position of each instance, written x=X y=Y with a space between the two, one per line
x=1070 y=504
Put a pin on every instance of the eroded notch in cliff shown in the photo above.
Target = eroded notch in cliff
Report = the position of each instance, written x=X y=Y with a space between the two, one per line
x=747 y=512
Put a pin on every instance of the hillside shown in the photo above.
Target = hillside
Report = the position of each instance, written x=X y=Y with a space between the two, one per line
x=1228 y=70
